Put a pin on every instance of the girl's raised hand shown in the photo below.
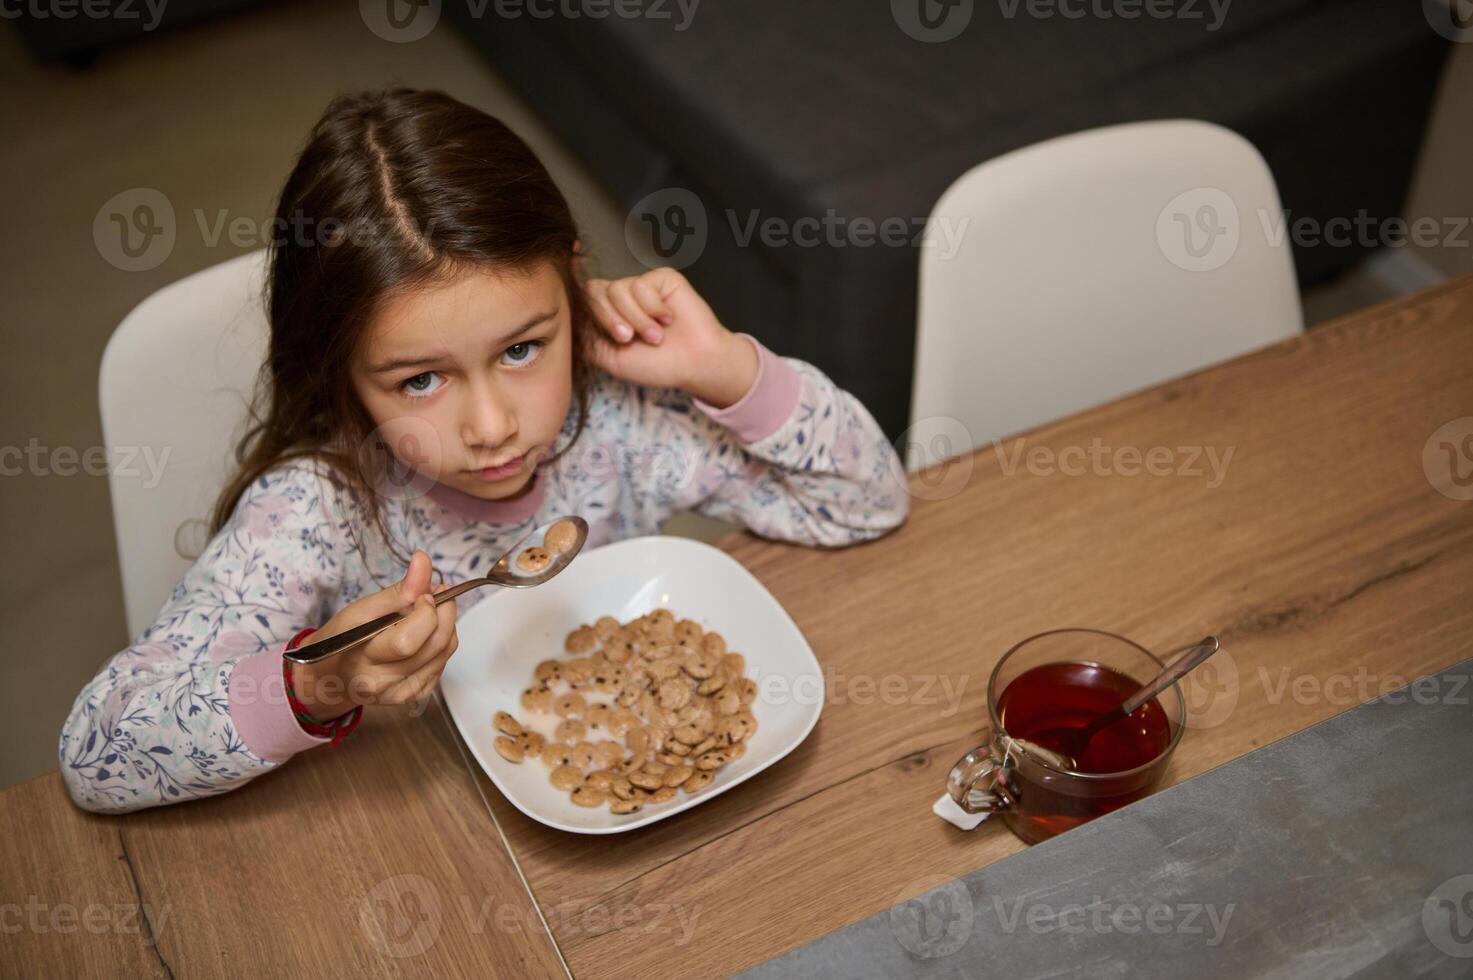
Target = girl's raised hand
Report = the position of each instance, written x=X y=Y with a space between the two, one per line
x=399 y=666
x=655 y=329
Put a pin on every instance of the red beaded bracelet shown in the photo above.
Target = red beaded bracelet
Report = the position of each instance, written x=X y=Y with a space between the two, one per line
x=338 y=729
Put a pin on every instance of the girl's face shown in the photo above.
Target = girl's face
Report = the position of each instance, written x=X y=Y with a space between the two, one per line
x=470 y=381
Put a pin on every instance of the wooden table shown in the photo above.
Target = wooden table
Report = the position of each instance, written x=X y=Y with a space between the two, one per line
x=1326 y=556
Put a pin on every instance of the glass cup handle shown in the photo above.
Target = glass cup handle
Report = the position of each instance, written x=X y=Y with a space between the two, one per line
x=976 y=784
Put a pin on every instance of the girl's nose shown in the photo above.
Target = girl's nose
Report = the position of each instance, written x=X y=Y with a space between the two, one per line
x=488 y=420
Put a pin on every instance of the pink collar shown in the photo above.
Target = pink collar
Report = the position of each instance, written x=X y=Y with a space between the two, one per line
x=492 y=511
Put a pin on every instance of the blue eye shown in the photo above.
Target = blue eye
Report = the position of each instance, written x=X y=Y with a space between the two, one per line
x=520 y=355
x=426 y=383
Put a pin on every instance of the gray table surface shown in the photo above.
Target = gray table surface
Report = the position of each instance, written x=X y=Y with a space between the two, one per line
x=1344 y=850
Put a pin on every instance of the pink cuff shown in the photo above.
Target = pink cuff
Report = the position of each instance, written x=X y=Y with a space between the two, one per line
x=769 y=403
x=258 y=707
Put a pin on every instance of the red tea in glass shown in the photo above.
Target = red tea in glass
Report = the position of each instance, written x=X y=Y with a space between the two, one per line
x=1059 y=681
x=1057 y=697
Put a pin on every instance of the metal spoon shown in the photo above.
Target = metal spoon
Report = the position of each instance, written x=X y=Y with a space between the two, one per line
x=505 y=573
x=1070 y=744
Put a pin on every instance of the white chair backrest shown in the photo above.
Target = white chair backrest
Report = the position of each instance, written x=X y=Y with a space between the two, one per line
x=176 y=380
x=1071 y=272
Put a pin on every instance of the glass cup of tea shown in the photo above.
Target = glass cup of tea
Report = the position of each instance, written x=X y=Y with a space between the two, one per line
x=1051 y=683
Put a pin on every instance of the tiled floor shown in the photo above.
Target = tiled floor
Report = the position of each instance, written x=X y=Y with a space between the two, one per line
x=141 y=117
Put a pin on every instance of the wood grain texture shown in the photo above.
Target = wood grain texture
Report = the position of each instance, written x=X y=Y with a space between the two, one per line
x=375 y=859
x=69 y=898
x=1324 y=558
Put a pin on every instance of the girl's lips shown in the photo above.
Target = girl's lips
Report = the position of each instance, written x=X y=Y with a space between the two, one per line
x=503 y=471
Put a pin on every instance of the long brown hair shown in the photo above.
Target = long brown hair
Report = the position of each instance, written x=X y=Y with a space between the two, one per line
x=395 y=190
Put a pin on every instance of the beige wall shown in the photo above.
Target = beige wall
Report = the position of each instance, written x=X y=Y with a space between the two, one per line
x=1443 y=188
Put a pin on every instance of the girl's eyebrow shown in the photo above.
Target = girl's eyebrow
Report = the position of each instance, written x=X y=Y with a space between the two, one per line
x=400 y=363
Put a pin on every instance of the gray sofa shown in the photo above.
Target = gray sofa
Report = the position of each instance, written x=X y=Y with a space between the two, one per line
x=814 y=109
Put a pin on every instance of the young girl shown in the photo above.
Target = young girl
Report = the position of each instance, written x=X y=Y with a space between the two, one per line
x=442 y=380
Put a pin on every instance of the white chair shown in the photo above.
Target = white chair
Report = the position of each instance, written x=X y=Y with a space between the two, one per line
x=1062 y=275
x=177 y=377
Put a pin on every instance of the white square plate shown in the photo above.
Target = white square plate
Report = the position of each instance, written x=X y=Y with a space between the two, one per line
x=508 y=633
